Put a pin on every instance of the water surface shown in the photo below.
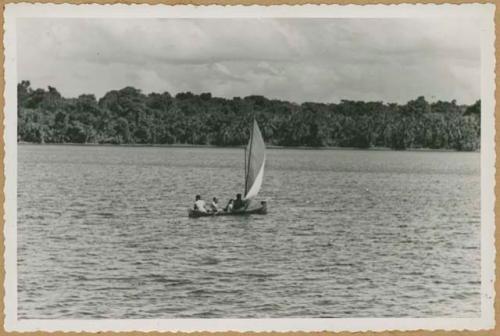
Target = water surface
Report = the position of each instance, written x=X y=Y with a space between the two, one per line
x=103 y=232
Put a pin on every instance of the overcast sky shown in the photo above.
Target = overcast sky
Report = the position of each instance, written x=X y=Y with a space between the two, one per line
x=324 y=60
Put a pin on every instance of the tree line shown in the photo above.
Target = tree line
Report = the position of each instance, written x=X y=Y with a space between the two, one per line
x=128 y=116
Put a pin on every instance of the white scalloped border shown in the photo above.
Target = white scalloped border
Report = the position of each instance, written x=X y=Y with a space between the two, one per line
x=488 y=160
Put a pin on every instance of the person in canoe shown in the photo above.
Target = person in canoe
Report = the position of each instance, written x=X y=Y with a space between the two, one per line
x=239 y=203
x=199 y=204
x=229 y=206
x=214 y=207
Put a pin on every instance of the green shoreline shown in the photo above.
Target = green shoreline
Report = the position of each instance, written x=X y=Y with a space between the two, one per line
x=268 y=147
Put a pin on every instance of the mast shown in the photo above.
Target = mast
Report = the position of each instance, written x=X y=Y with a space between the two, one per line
x=245 y=151
x=247 y=168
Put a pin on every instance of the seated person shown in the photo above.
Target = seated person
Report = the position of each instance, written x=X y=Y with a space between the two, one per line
x=199 y=204
x=229 y=206
x=214 y=207
x=239 y=203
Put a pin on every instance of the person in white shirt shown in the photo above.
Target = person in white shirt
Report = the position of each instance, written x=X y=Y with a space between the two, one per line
x=214 y=207
x=199 y=204
x=229 y=206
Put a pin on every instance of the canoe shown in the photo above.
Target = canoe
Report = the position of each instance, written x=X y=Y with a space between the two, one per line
x=262 y=210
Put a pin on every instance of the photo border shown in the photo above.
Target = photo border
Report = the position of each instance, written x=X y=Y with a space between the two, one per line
x=9 y=164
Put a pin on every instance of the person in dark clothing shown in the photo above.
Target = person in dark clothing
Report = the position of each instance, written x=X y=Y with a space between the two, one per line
x=239 y=204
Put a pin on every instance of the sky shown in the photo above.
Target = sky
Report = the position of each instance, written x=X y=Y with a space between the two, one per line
x=320 y=60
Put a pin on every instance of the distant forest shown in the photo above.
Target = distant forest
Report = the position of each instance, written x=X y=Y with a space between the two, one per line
x=128 y=116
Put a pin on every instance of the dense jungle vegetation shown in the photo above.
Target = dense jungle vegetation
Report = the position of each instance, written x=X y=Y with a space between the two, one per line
x=128 y=116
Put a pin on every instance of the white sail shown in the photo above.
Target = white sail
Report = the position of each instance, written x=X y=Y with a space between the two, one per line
x=255 y=160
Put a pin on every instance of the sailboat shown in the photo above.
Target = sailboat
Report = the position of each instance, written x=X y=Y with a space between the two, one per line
x=255 y=159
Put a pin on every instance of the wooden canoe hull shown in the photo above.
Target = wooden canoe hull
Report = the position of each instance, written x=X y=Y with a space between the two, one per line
x=262 y=210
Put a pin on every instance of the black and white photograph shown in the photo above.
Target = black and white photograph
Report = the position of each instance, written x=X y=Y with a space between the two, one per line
x=213 y=168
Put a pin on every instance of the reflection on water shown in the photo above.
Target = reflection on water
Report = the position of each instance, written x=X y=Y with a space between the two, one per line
x=103 y=232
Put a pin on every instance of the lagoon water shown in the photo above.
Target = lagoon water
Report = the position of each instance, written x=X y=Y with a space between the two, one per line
x=103 y=232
